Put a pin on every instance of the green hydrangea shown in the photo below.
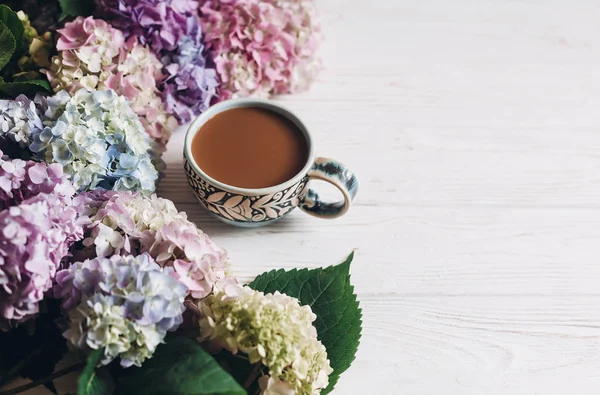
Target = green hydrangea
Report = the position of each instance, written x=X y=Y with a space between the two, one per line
x=273 y=329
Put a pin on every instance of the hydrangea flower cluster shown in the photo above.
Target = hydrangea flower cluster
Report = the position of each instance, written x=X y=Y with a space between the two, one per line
x=34 y=237
x=126 y=223
x=172 y=30
x=262 y=47
x=19 y=119
x=122 y=304
x=87 y=49
x=94 y=55
x=20 y=180
x=98 y=140
x=191 y=85
x=273 y=329
x=158 y=23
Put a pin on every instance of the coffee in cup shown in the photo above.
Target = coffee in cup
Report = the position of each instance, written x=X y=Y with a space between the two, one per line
x=250 y=162
x=250 y=147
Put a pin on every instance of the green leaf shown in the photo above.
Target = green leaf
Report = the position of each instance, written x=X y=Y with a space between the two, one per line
x=331 y=296
x=76 y=8
x=7 y=45
x=179 y=367
x=240 y=368
x=14 y=24
x=28 y=88
x=89 y=383
x=33 y=352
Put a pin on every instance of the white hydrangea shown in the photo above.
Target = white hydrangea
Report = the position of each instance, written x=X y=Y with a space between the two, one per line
x=98 y=140
x=98 y=323
x=104 y=50
x=19 y=118
x=153 y=213
x=144 y=345
x=124 y=305
x=273 y=329
x=271 y=386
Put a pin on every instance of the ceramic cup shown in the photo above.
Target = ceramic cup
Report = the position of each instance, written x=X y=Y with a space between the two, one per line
x=257 y=207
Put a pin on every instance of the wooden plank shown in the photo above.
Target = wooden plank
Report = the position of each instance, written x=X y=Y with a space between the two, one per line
x=477 y=345
x=428 y=251
x=473 y=127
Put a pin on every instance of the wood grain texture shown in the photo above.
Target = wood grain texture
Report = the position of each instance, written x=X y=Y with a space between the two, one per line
x=473 y=127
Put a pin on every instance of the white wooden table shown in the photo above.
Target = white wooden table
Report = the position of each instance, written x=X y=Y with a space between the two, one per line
x=474 y=128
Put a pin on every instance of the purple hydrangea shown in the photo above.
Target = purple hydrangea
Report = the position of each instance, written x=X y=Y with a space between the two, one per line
x=172 y=30
x=20 y=180
x=159 y=23
x=34 y=237
x=190 y=86
x=123 y=304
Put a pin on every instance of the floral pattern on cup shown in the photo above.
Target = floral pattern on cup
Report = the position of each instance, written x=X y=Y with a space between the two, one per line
x=245 y=209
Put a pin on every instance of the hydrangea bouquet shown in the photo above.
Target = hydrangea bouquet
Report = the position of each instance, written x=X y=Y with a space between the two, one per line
x=92 y=262
x=94 y=135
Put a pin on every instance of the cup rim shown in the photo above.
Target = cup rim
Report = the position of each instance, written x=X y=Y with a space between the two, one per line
x=200 y=120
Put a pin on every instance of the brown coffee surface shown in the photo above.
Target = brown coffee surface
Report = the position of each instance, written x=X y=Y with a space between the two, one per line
x=250 y=147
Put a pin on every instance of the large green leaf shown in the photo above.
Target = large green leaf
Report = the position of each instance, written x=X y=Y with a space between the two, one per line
x=331 y=296
x=7 y=45
x=179 y=367
x=14 y=24
x=28 y=88
x=76 y=8
x=89 y=383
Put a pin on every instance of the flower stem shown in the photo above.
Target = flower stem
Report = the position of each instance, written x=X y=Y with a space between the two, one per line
x=37 y=383
x=239 y=356
x=253 y=375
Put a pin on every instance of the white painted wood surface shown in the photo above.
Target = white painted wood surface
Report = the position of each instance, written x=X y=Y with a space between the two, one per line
x=474 y=127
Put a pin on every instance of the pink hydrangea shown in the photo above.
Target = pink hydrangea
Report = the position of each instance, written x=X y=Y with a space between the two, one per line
x=93 y=42
x=171 y=28
x=37 y=225
x=137 y=77
x=262 y=47
x=127 y=223
x=95 y=56
x=20 y=180
x=34 y=237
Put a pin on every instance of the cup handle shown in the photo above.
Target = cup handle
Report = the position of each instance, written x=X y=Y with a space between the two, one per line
x=337 y=174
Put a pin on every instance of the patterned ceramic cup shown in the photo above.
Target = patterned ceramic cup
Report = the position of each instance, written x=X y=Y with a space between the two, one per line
x=257 y=207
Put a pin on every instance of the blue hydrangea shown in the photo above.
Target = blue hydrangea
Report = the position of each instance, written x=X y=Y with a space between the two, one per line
x=125 y=305
x=99 y=141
